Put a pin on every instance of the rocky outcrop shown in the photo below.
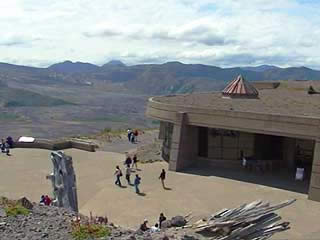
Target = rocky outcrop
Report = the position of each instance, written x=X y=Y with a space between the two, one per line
x=42 y=223
x=63 y=181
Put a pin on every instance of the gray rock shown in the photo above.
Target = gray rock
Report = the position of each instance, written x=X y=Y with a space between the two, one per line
x=188 y=237
x=2 y=213
x=178 y=221
x=166 y=224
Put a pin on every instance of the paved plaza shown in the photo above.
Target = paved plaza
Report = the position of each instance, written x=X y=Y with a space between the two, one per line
x=196 y=191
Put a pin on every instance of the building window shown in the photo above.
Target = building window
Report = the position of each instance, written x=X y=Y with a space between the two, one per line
x=203 y=142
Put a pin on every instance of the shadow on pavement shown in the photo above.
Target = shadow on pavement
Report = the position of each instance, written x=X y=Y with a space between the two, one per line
x=142 y=194
x=280 y=178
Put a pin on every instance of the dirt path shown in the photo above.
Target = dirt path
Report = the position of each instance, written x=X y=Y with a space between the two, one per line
x=121 y=144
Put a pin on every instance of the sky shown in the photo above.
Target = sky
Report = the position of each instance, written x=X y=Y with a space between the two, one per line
x=223 y=33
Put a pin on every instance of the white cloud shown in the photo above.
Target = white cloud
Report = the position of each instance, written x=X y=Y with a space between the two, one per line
x=224 y=33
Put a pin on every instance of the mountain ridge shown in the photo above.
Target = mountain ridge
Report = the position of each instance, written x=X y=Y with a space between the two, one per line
x=153 y=79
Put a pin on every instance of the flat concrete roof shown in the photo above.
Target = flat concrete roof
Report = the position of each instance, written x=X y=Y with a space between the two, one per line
x=280 y=101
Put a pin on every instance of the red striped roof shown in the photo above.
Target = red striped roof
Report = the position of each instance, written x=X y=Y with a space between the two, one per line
x=239 y=87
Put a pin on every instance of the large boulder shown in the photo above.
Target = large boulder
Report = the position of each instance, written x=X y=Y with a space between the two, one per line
x=24 y=202
x=178 y=221
x=166 y=224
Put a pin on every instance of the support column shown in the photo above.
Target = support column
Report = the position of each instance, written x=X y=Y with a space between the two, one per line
x=183 y=145
x=162 y=130
x=314 y=189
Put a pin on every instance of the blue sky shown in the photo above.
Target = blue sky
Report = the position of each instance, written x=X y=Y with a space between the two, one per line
x=217 y=32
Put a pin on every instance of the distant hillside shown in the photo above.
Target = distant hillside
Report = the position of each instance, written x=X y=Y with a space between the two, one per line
x=11 y=97
x=70 y=67
x=114 y=63
x=150 y=79
x=260 y=68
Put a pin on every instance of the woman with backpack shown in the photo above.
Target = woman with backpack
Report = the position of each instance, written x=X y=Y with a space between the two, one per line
x=118 y=175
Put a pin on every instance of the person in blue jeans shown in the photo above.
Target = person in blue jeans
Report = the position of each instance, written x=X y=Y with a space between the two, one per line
x=118 y=174
x=137 y=182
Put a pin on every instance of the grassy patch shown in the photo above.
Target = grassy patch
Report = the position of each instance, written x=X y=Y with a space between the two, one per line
x=89 y=231
x=12 y=97
x=15 y=210
x=111 y=118
x=6 y=116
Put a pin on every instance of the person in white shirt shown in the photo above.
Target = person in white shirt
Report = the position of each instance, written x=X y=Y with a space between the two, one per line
x=155 y=228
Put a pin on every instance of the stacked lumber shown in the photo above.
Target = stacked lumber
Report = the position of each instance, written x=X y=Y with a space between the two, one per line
x=253 y=221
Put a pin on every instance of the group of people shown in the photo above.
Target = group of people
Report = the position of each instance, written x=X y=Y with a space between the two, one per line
x=45 y=200
x=137 y=180
x=130 y=164
x=156 y=228
x=132 y=135
x=6 y=145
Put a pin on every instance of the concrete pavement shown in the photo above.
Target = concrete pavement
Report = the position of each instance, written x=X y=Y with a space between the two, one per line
x=23 y=174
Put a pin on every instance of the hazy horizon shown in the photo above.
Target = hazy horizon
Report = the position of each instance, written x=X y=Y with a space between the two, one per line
x=228 y=33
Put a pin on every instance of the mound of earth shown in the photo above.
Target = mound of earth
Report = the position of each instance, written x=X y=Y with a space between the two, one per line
x=151 y=152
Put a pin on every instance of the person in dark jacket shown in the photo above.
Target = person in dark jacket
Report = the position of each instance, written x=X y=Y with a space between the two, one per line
x=4 y=147
x=161 y=219
x=10 y=141
x=137 y=182
x=135 y=161
x=162 y=177
x=128 y=161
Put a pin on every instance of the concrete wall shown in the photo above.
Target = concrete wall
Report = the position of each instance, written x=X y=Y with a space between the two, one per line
x=278 y=125
x=226 y=148
x=314 y=190
x=184 y=144
x=166 y=130
x=56 y=145
x=270 y=124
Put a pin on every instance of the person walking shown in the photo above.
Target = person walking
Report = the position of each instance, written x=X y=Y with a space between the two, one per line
x=4 y=147
x=137 y=182
x=132 y=136
x=118 y=175
x=10 y=141
x=135 y=161
x=128 y=161
x=128 y=173
x=162 y=177
x=136 y=133
x=129 y=131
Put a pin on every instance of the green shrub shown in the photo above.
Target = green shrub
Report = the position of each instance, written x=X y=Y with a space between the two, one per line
x=88 y=231
x=15 y=210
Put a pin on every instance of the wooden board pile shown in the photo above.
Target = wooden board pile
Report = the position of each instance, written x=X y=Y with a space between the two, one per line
x=253 y=221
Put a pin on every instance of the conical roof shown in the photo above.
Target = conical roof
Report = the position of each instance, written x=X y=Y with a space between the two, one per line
x=239 y=87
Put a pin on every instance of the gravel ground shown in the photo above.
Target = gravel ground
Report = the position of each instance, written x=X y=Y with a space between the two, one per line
x=53 y=223
x=42 y=223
